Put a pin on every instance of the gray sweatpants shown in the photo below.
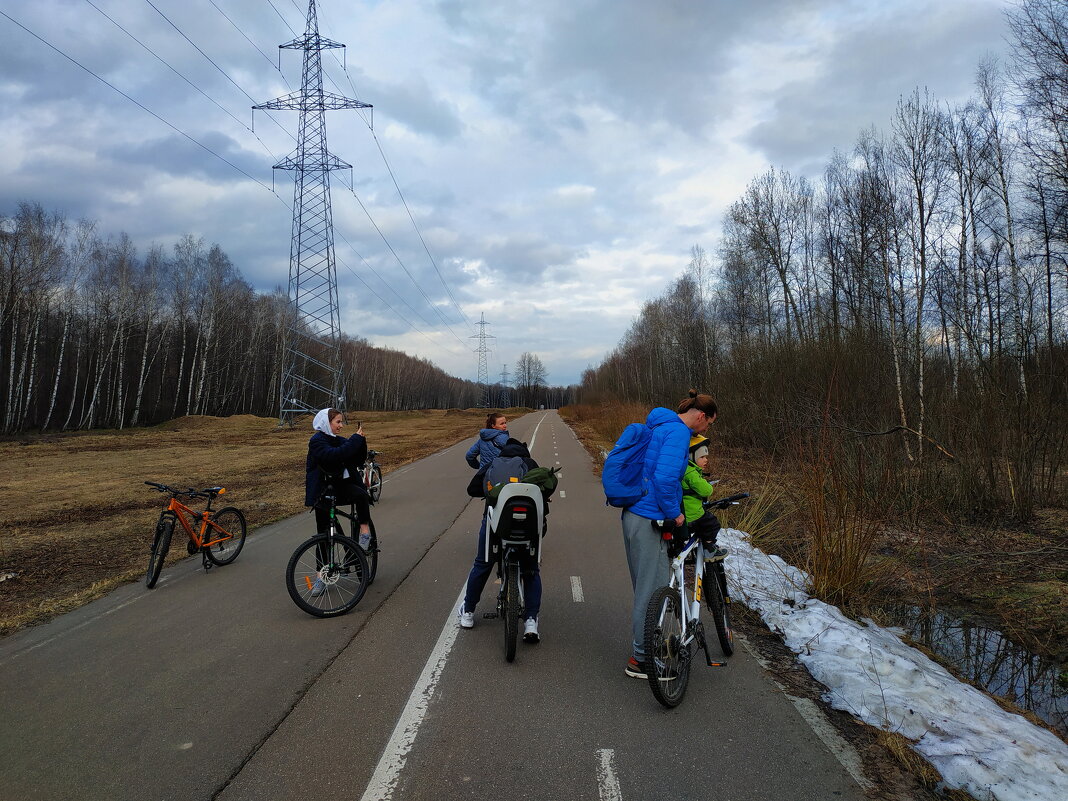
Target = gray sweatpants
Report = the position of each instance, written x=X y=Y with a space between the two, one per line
x=649 y=569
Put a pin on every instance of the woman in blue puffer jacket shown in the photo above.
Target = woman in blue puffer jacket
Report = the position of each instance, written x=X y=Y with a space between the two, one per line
x=489 y=442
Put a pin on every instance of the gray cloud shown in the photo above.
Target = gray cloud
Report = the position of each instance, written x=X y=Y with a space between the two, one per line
x=559 y=158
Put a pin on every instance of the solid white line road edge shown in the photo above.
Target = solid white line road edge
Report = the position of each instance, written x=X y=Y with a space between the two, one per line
x=387 y=772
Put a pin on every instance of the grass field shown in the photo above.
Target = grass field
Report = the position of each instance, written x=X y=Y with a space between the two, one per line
x=76 y=518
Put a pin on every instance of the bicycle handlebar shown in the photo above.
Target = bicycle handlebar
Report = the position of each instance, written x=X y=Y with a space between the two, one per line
x=192 y=492
x=723 y=503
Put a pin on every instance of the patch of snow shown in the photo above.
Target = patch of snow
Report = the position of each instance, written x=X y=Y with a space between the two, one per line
x=870 y=673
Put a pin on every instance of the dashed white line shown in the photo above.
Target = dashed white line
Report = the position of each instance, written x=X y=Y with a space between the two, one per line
x=576 y=589
x=607 y=782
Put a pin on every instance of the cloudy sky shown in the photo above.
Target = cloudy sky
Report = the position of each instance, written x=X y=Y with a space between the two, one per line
x=556 y=160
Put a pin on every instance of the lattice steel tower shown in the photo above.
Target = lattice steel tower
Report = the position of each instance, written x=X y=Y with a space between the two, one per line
x=312 y=372
x=505 y=401
x=483 y=361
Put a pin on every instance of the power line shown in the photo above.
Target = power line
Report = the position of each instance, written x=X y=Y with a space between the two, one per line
x=403 y=266
x=162 y=61
x=277 y=67
x=220 y=69
x=416 y=226
x=141 y=106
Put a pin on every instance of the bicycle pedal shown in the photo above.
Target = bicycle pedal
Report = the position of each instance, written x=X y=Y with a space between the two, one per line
x=191 y=547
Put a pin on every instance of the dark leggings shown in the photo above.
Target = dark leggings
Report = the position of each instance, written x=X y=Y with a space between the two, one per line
x=347 y=493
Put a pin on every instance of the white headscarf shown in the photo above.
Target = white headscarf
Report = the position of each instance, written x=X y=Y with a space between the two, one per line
x=322 y=422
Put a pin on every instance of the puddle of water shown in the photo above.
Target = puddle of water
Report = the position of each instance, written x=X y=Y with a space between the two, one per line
x=986 y=658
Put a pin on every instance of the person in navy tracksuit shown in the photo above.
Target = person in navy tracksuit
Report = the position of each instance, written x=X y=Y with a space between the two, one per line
x=665 y=462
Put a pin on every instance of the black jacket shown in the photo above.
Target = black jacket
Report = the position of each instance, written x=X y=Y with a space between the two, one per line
x=329 y=456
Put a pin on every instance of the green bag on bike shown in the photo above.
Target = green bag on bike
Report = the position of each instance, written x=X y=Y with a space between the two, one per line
x=543 y=477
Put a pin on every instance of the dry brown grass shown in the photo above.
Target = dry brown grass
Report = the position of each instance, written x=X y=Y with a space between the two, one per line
x=76 y=517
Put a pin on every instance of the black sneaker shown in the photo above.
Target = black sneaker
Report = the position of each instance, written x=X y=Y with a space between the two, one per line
x=635 y=669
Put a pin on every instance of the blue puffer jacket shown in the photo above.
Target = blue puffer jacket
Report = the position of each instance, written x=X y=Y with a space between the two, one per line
x=487 y=446
x=665 y=462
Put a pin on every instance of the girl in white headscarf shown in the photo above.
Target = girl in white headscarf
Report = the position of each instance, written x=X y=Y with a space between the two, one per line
x=334 y=459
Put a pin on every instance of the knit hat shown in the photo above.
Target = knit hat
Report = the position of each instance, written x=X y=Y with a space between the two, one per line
x=698 y=447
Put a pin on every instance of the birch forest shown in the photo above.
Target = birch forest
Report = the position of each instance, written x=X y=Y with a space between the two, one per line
x=95 y=335
x=907 y=310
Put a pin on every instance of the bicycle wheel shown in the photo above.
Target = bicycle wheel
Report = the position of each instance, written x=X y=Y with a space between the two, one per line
x=232 y=522
x=327 y=576
x=511 y=609
x=714 y=584
x=371 y=554
x=161 y=543
x=667 y=660
x=374 y=484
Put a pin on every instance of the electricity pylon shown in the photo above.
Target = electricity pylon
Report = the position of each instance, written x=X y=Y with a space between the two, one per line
x=505 y=401
x=312 y=372
x=483 y=361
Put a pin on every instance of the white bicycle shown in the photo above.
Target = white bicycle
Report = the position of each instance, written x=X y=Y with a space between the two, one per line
x=673 y=628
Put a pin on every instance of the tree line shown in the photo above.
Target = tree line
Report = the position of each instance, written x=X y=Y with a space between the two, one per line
x=95 y=335
x=914 y=299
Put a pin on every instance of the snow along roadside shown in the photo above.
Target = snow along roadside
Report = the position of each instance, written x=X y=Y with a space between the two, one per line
x=871 y=674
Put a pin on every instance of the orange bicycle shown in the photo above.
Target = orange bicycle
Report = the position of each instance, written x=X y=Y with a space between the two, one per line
x=219 y=539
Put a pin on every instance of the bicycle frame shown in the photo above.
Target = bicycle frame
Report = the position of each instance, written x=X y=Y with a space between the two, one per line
x=180 y=510
x=690 y=607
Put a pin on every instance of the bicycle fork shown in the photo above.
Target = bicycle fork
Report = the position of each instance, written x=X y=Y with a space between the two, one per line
x=695 y=617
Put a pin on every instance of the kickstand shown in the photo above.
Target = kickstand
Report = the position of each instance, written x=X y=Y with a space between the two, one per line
x=207 y=562
x=704 y=645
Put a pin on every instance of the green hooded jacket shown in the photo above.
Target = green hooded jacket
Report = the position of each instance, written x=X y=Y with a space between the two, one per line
x=694 y=490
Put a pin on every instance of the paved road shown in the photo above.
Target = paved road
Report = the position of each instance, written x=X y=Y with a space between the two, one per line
x=216 y=686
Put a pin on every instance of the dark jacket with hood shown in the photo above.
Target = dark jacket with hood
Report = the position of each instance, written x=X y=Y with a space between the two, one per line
x=330 y=456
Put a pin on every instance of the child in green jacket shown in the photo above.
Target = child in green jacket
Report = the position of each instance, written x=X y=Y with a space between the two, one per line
x=696 y=489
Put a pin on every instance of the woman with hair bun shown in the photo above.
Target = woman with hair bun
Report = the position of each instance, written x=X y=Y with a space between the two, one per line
x=489 y=441
x=666 y=458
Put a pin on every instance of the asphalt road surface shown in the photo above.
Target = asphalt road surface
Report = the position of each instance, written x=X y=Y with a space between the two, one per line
x=216 y=686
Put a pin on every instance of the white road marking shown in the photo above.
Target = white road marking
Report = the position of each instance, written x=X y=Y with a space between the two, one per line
x=845 y=754
x=563 y=494
x=387 y=772
x=607 y=782
x=576 y=589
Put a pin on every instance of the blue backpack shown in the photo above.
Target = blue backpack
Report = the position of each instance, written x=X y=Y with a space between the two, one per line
x=622 y=479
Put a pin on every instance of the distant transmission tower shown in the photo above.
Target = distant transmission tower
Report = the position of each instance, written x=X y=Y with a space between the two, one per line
x=312 y=372
x=483 y=361
x=505 y=401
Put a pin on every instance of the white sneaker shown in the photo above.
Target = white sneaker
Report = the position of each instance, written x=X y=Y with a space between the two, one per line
x=530 y=630
x=467 y=619
x=365 y=540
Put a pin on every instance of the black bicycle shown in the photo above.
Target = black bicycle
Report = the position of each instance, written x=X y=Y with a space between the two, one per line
x=673 y=627
x=328 y=574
